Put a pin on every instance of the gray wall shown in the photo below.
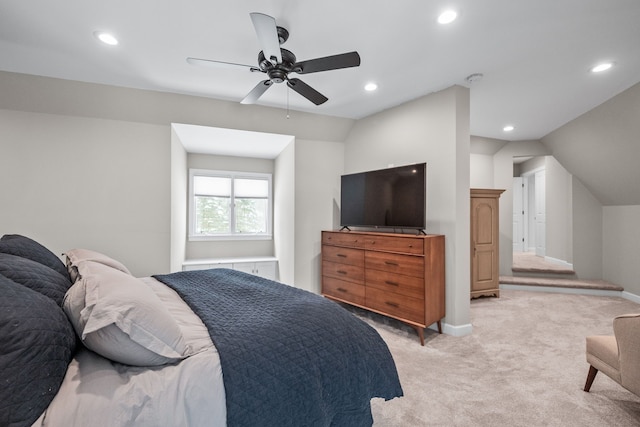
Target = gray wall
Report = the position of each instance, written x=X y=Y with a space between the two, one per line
x=86 y=165
x=284 y=216
x=587 y=233
x=621 y=246
x=559 y=211
x=179 y=196
x=601 y=148
x=433 y=129
x=481 y=171
x=75 y=182
x=318 y=166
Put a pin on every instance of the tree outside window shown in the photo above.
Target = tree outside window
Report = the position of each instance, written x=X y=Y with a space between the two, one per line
x=229 y=204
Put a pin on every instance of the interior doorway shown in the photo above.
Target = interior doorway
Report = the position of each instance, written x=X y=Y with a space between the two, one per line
x=529 y=210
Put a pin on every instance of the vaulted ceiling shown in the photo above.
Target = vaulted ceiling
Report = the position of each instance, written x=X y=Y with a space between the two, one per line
x=534 y=56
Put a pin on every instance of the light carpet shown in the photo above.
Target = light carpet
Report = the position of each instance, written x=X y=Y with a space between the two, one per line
x=523 y=365
x=530 y=262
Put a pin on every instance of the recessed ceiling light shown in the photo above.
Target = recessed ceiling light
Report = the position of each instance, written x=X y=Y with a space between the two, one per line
x=601 y=67
x=508 y=128
x=447 y=17
x=106 y=38
x=370 y=87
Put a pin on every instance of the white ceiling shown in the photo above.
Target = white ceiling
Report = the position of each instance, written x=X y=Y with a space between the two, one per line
x=534 y=55
x=230 y=142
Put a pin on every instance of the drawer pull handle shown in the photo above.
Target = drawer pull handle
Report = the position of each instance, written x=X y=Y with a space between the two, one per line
x=341 y=255
x=388 y=282
x=342 y=289
x=391 y=263
x=392 y=304
x=342 y=272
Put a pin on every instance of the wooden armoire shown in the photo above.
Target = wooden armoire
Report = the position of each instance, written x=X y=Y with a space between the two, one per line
x=485 y=236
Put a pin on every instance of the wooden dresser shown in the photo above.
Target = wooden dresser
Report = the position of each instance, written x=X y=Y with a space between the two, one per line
x=397 y=275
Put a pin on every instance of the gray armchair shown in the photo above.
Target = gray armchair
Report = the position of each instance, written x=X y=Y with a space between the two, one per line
x=617 y=356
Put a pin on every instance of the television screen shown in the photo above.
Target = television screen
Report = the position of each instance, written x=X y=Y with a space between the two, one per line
x=393 y=198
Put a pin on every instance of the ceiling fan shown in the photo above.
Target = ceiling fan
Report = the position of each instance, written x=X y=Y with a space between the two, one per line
x=277 y=63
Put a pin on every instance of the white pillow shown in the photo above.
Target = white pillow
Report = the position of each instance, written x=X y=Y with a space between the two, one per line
x=76 y=256
x=119 y=317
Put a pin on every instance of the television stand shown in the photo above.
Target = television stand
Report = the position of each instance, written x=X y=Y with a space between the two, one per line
x=396 y=275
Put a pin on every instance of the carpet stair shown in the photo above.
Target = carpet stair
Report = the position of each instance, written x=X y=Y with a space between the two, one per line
x=545 y=274
x=561 y=283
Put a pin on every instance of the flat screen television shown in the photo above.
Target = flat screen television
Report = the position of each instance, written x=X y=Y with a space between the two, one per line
x=385 y=198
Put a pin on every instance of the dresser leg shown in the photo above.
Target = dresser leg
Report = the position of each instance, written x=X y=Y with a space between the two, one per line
x=420 y=332
x=439 y=326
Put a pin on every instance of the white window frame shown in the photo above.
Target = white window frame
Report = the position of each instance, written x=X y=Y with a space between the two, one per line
x=268 y=235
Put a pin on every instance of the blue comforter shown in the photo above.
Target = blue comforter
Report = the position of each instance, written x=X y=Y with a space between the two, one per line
x=289 y=357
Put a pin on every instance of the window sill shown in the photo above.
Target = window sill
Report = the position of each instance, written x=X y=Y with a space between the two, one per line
x=229 y=237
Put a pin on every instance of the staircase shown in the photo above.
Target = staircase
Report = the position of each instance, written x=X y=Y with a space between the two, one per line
x=530 y=270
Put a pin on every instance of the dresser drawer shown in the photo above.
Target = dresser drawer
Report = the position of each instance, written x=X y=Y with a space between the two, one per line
x=395 y=263
x=351 y=273
x=410 y=286
x=342 y=239
x=408 y=245
x=347 y=291
x=396 y=305
x=343 y=255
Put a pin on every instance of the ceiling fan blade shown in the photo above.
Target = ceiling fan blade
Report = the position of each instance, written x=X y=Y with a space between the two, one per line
x=334 y=62
x=307 y=91
x=256 y=92
x=219 y=64
x=267 y=33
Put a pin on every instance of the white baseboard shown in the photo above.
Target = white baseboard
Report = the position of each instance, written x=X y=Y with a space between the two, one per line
x=552 y=289
x=455 y=331
x=631 y=297
x=462 y=330
x=577 y=291
x=559 y=262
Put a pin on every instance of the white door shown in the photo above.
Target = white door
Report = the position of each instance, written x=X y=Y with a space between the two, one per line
x=518 y=214
x=540 y=211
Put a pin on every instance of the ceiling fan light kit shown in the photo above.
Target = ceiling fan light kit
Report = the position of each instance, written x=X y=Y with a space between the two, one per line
x=277 y=63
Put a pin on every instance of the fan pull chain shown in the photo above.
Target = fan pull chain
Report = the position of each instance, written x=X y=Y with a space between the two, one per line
x=287 y=102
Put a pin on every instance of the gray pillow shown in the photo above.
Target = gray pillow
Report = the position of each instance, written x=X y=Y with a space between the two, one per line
x=24 y=247
x=36 y=276
x=119 y=317
x=76 y=256
x=37 y=343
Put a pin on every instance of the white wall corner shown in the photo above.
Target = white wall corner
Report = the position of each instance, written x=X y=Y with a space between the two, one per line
x=455 y=330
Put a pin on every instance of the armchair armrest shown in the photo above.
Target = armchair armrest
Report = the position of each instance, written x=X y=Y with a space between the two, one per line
x=626 y=329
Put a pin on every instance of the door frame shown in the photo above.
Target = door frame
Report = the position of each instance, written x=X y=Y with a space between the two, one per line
x=529 y=204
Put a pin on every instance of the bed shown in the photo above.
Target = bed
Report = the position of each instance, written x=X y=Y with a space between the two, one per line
x=84 y=342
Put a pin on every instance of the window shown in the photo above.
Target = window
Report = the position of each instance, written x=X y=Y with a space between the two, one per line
x=229 y=205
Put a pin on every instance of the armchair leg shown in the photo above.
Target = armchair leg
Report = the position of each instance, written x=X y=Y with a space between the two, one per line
x=590 y=377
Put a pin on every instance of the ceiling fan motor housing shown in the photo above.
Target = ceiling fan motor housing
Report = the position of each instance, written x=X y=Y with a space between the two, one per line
x=277 y=72
x=283 y=34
